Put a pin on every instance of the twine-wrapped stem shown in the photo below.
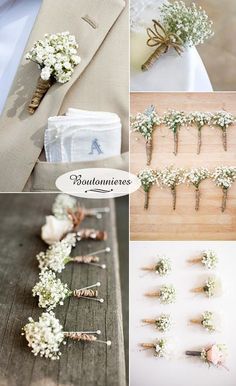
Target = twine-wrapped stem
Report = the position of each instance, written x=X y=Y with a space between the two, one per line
x=224 y=199
x=224 y=138
x=173 y=192
x=195 y=321
x=195 y=260
x=149 y=151
x=199 y=140
x=197 y=290
x=91 y=234
x=147 y=345
x=85 y=259
x=162 y=49
x=41 y=89
x=153 y=294
x=176 y=141
x=197 y=199
x=149 y=321
x=146 y=199
x=79 y=336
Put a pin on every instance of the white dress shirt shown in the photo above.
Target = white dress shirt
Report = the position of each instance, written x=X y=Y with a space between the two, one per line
x=17 y=18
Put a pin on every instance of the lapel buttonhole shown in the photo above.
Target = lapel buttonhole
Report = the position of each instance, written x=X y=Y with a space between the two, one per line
x=90 y=21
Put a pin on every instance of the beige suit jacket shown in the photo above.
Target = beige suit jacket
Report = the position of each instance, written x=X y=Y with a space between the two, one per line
x=100 y=82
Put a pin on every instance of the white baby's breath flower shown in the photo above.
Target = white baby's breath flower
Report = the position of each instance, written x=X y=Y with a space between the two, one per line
x=163 y=323
x=163 y=267
x=45 y=336
x=196 y=176
x=50 y=290
x=148 y=177
x=224 y=176
x=209 y=259
x=56 y=256
x=167 y=294
x=145 y=123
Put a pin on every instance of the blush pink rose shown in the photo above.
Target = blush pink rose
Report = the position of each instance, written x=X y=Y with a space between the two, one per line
x=215 y=355
x=54 y=229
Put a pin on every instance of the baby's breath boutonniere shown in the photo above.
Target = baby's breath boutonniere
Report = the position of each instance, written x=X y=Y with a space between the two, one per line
x=52 y=292
x=195 y=177
x=223 y=120
x=208 y=258
x=56 y=56
x=46 y=335
x=163 y=323
x=166 y=294
x=208 y=320
x=224 y=177
x=145 y=123
x=162 y=267
x=162 y=348
x=174 y=120
x=199 y=119
x=148 y=178
x=180 y=26
x=171 y=178
x=211 y=288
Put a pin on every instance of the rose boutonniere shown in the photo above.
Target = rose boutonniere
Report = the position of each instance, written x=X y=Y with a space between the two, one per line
x=214 y=355
x=180 y=26
x=56 y=56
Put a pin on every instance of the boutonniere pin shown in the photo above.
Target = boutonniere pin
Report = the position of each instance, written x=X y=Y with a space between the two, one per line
x=166 y=294
x=56 y=56
x=208 y=259
x=162 y=267
x=211 y=288
x=214 y=355
x=163 y=323
x=52 y=292
x=180 y=26
x=46 y=335
x=208 y=320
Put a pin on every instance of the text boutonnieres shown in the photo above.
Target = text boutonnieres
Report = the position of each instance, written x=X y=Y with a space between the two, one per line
x=46 y=335
x=56 y=56
x=145 y=123
x=224 y=177
x=195 y=177
x=180 y=26
x=213 y=355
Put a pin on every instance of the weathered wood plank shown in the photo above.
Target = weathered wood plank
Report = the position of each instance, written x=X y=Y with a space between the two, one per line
x=81 y=364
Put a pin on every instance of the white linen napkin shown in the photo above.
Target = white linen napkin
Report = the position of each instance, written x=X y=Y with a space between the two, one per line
x=82 y=135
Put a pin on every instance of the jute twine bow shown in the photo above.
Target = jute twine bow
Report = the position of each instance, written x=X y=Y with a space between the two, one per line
x=163 y=40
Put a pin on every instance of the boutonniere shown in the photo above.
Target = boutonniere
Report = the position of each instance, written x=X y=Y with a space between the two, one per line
x=171 y=178
x=46 y=335
x=180 y=26
x=223 y=120
x=56 y=56
x=52 y=292
x=162 y=267
x=148 y=178
x=199 y=120
x=208 y=320
x=174 y=120
x=195 y=177
x=211 y=288
x=162 y=348
x=213 y=355
x=208 y=258
x=145 y=123
x=166 y=294
x=224 y=178
x=163 y=323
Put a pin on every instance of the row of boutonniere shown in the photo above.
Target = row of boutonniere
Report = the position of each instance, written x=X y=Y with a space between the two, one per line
x=179 y=27
x=62 y=232
x=145 y=123
x=169 y=177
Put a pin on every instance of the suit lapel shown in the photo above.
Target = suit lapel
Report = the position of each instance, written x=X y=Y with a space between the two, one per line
x=22 y=134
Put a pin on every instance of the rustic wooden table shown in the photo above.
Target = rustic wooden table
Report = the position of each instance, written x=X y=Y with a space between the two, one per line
x=160 y=222
x=22 y=215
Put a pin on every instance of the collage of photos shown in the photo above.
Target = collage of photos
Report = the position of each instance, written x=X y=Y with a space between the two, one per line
x=117 y=192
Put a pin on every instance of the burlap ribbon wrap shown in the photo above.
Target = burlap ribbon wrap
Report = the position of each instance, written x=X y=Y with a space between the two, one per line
x=163 y=41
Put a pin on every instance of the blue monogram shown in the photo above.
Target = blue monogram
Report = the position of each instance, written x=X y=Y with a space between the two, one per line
x=95 y=147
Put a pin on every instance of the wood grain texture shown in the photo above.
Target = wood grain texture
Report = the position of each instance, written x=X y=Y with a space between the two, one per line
x=160 y=222
x=81 y=364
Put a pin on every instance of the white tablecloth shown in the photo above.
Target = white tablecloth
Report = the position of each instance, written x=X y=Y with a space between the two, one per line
x=17 y=18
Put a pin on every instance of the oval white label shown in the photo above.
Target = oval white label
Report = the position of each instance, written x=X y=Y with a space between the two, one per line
x=98 y=183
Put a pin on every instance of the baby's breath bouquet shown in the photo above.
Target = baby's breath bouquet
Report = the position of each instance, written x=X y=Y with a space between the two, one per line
x=180 y=26
x=148 y=178
x=145 y=123
x=199 y=119
x=195 y=177
x=224 y=177
x=56 y=56
x=223 y=120
x=174 y=120
x=171 y=178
